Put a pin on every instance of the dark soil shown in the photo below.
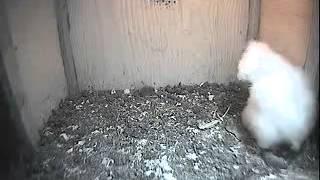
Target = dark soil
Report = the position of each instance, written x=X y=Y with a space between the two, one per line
x=181 y=132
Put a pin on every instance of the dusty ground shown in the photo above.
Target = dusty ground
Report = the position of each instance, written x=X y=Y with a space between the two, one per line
x=182 y=132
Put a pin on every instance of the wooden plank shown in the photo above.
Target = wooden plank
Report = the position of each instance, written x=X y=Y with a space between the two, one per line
x=312 y=61
x=62 y=15
x=254 y=19
x=16 y=145
x=123 y=43
x=9 y=69
x=285 y=25
x=33 y=61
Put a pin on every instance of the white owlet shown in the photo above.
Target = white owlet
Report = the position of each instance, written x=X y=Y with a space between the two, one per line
x=281 y=105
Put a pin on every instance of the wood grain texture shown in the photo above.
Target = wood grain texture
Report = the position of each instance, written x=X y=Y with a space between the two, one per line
x=33 y=61
x=254 y=19
x=123 y=43
x=63 y=23
x=312 y=62
x=13 y=134
x=285 y=25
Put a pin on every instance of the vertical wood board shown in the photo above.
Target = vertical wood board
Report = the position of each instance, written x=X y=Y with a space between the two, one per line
x=285 y=26
x=123 y=43
x=62 y=15
x=33 y=61
x=312 y=61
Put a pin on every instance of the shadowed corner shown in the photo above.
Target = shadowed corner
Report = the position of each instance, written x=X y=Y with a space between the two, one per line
x=16 y=150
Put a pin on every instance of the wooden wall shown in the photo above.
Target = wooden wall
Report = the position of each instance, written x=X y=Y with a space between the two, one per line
x=285 y=25
x=123 y=43
x=31 y=54
x=291 y=27
x=312 y=60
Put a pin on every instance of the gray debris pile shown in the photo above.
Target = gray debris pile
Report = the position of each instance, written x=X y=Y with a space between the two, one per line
x=180 y=132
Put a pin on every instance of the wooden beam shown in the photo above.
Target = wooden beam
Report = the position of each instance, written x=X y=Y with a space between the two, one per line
x=16 y=143
x=311 y=65
x=285 y=26
x=254 y=19
x=62 y=15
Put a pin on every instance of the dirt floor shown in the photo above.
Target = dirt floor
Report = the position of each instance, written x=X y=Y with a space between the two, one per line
x=181 y=132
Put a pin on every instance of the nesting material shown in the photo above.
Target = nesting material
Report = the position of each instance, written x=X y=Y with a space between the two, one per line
x=156 y=136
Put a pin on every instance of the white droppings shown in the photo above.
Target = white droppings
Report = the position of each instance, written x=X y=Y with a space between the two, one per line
x=142 y=142
x=70 y=150
x=191 y=156
x=80 y=143
x=163 y=146
x=172 y=149
x=168 y=176
x=153 y=167
x=65 y=136
x=88 y=150
x=106 y=162
x=196 y=166
x=148 y=173
x=202 y=152
x=78 y=107
x=196 y=131
x=210 y=97
x=208 y=125
x=74 y=127
x=160 y=168
x=95 y=132
x=48 y=133
x=182 y=96
x=236 y=167
x=270 y=176
x=164 y=164
x=255 y=170
x=126 y=91
x=138 y=155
